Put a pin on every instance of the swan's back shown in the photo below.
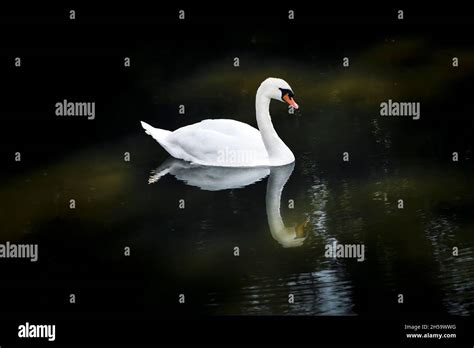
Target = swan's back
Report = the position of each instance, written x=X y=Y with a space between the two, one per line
x=224 y=126
x=221 y=142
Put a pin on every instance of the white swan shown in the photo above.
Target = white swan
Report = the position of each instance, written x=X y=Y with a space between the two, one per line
x=230 y=143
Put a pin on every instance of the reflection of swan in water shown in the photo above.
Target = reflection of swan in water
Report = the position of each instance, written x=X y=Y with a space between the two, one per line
x=223 y=178
x=209 y=178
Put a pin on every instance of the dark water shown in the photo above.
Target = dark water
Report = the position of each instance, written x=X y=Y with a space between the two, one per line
x=190 y=251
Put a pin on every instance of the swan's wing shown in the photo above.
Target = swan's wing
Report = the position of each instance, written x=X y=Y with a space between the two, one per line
x=219 y=143
x=228 y=127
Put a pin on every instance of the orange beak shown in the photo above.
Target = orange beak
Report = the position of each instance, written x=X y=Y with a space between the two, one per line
x=291 y=102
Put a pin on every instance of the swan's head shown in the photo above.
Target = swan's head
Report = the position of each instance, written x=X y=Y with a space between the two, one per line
x=280 y=90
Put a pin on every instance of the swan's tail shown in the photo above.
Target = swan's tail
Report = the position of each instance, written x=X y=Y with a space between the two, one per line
x=158 y=134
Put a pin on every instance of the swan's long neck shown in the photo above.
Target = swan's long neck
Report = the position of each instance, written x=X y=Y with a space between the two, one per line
x=278 y=152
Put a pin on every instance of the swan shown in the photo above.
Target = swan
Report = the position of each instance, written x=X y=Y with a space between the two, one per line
x=230 y=143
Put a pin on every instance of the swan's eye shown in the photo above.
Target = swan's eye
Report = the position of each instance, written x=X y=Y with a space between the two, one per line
x=287 y=96
x=285 y=92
